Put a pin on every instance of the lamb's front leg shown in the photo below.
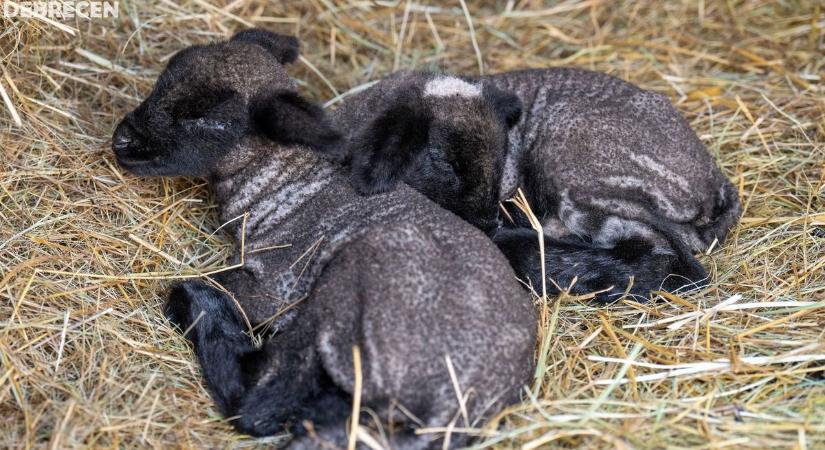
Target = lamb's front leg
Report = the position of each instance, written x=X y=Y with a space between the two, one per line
x=264 y=389
x=215 y=328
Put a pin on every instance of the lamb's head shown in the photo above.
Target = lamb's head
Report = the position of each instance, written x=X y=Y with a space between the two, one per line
x=208 y=98
x=447 y=138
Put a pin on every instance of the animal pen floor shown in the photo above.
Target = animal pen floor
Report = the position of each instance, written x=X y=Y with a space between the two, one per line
x=87 y=361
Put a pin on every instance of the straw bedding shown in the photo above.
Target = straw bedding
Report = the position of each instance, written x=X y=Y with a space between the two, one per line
x=87 y=361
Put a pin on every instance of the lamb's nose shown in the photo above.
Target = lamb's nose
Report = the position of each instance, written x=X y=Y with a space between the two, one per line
x=125 y=139
x=121 y=142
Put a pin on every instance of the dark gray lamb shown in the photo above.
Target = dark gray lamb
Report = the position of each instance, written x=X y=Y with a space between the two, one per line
x=406 y=281
x=603 y=158
x=621 y=184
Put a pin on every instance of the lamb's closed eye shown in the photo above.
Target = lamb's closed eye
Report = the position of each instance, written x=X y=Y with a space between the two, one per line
x=202 y=123
x=445 y=171
x=204 y=112
x=200 y=103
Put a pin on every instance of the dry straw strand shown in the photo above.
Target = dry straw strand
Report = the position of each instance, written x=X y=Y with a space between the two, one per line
x=87 y=251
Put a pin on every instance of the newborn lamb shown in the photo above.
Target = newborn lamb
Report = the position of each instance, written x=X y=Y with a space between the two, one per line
x=618 y=180
x=414 y=287
x=602 y=158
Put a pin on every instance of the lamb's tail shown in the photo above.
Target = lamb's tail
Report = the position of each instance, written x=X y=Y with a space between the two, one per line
x=602 y=269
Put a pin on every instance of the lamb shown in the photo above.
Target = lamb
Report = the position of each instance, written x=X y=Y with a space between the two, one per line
x=393 y=274
x=620 y=183
x=651 y=166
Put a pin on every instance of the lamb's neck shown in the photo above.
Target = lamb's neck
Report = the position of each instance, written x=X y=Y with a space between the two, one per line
x=273 y=183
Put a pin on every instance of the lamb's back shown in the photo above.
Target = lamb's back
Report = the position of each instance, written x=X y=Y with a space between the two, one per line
x=601 y=139
x=416 y=282
x=287 y=257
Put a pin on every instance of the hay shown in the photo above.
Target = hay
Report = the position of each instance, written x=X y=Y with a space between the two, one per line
x=87 y=361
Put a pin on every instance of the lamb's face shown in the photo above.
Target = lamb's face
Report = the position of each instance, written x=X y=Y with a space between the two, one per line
x=462 y=165
x=201 y=105
x=445 y=137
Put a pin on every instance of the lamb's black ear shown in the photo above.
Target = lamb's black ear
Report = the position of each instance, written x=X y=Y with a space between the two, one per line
x=382 y=153
x=285 y=48
x=505 y=103
x=287 y=118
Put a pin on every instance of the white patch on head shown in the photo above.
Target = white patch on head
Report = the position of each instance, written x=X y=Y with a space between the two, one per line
x=448 y=86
